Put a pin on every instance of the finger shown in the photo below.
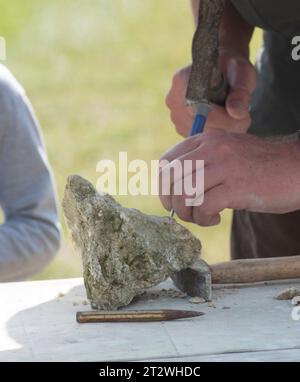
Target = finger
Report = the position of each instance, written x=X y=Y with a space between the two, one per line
x=195 y=185
x=215 y=201
x=184 y=171
x=176 y=95
x=189 y=144
x=190 y=164
x=182 y=122
x=219 y=118
x=242 y=81
x=182 y=179
x=185 y=193
x=184 y=212
x=175 y=100
x=207 y=220
x=237 y=103
x=188 y=192
x=165 y=197
x=169 y=168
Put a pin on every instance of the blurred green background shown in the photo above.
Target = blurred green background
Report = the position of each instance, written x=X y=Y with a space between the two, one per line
x=97 y=72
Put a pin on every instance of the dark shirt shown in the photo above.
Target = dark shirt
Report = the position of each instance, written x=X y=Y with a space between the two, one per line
x=275 y=105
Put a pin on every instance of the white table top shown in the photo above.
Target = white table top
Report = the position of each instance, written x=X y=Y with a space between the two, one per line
x=247 y=324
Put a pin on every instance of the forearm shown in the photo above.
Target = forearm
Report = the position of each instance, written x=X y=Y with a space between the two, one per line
x=30 y=236
x=235 y=32
x=26 y=247
x=291 y=138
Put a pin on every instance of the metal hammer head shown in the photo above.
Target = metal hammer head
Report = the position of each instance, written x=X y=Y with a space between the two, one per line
x=195 y=281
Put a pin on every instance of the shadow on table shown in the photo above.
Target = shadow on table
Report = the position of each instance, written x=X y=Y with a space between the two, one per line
x=29 y=329
x=49 y=331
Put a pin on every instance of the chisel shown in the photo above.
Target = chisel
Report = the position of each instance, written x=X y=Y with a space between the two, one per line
x=135 y=315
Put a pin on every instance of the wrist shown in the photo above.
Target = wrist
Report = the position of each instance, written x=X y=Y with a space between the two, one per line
x=291 y=177
x=292 y=149
x=278 y=183
x=286 y=148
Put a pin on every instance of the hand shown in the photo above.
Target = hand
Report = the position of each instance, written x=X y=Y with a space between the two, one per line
x=240 y=172
x=235 y=117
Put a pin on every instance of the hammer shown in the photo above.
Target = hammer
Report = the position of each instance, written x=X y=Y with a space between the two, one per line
x=206 y=82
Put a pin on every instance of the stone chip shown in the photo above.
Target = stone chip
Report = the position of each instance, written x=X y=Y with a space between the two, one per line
x=288 y=294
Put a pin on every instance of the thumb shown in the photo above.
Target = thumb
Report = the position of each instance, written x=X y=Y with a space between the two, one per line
x=241 y=77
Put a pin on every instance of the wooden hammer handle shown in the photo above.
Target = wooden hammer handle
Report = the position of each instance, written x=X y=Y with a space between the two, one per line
x=255 y=270
x=205 y=83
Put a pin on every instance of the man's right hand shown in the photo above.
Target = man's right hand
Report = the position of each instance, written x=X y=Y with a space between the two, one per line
x=235 y=117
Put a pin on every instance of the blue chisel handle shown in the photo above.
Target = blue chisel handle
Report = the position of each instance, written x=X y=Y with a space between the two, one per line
x=198 y=125
x=217 y=94
x=197 y=128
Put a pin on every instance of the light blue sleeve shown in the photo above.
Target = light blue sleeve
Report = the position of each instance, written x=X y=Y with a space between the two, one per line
x=30 y=235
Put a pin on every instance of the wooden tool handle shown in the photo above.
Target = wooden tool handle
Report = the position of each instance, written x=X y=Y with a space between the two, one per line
x=219 y=89
x=204 y=82
x=255 y=270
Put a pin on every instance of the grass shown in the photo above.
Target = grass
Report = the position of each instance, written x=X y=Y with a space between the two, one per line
x=97 y=72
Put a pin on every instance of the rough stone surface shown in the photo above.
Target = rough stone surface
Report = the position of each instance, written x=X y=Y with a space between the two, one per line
x=288 y=294
x=124 y=251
